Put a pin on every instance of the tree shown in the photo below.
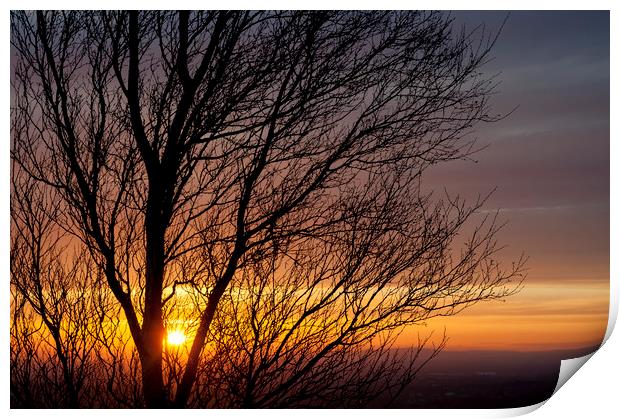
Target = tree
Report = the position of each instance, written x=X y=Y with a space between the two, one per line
x=259 y=173
x=52 y=293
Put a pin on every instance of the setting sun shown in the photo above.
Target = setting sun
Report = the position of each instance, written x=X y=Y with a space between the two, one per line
x=176 y=337
x=334 y=209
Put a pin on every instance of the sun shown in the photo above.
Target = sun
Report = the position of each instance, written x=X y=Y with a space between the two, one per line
x=175 y=337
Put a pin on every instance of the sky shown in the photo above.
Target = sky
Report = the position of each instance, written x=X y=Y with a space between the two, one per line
x=549 y=163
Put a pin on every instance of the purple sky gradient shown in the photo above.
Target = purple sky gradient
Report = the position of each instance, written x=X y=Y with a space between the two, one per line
x=549 y=159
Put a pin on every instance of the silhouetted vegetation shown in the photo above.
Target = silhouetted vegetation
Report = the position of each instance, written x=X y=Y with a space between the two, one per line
x=250 y=179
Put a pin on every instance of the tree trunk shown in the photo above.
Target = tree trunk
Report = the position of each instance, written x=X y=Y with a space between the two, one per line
x=152 y=346
x=152 y=381
x=153 y=327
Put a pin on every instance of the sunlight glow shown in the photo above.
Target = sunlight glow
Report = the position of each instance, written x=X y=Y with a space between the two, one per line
x=175 y=337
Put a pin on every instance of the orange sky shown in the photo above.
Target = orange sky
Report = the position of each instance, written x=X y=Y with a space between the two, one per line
x=543 y=316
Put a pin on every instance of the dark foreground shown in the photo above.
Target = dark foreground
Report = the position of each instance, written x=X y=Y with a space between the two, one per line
x=480 y=380
x=486 y=379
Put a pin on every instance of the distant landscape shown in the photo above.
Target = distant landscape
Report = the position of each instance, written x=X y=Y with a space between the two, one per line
x=486 y=379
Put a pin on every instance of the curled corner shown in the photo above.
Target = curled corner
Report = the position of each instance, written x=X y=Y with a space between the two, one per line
x=568 y=367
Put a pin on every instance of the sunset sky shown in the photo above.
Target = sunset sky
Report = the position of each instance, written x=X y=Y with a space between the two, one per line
x=549 y=161
x=279 y=209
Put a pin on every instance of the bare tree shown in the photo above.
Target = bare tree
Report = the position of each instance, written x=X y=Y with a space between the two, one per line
x=53 y=300
x=258 y=175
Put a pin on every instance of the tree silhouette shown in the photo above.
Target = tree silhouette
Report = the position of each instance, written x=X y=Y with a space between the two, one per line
x=254 y=177
x=53 y=292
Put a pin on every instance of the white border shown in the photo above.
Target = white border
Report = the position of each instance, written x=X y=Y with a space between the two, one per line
x=593 y=393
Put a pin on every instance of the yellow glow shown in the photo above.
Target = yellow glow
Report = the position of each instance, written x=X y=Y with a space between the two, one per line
x=545 y=315
x=175 y=337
